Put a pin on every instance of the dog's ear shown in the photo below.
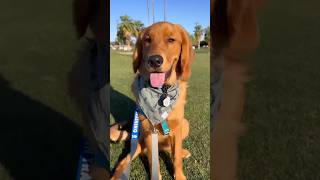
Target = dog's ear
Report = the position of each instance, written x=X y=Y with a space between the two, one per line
x=186 y=55
x=137 y=53
x=219 y=30
x=82 y=15
x=242 y=23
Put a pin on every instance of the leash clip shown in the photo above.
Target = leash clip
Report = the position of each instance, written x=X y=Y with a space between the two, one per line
x=155 y=130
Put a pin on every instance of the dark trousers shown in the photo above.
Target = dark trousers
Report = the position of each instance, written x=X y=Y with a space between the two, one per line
x=98 y=98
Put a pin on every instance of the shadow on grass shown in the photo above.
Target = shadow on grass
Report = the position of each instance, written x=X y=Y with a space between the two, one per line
x=122 y=108
x=36 y=141
x=168 y=162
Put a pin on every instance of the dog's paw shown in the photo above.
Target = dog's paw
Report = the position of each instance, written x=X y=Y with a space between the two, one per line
x=116 y=134
x=114 y=178
x=185 y=154
x=180 y=177
x=99 y=173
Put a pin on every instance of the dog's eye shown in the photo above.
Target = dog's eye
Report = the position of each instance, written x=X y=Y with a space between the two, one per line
x=171 y=40
x=147 y=39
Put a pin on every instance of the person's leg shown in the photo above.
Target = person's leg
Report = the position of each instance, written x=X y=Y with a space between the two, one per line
x=98 y=107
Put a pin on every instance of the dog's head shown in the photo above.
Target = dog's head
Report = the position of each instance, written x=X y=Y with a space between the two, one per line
x=163 y=53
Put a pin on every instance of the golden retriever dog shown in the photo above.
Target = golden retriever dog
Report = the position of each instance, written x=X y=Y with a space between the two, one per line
x=163 y=49
x=235 y=36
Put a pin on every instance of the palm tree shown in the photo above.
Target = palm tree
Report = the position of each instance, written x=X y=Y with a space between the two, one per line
x=138 y=25
x=192 y=40
x=207 y=35
x=198 y=31
x=125 y=29
x=128 y=28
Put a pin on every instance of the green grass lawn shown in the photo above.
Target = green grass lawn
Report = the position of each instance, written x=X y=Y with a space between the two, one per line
x=282 y=110
x=197 y=112
x=39 y=125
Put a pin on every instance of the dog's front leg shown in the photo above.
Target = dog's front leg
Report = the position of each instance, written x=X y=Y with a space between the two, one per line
x=148 y=142
x=176 y=139
x=123 y=164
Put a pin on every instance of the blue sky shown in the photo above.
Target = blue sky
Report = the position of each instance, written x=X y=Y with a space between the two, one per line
x=184 y=12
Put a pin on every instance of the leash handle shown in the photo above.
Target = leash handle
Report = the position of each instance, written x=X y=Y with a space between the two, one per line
x=133 y=143
x=133 y=148
x=155 y=156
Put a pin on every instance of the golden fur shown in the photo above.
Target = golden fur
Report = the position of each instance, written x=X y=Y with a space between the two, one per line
x=177 y=58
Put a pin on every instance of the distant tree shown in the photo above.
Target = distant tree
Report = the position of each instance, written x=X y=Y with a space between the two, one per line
x=203 y=43
x=128 y=28
x=193 y=41
x=207 y=35
x=197 y=33
x=138 y=26
x=120 y=38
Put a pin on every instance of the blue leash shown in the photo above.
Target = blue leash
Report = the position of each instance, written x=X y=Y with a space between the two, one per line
x=85 y=161
x=133 y=143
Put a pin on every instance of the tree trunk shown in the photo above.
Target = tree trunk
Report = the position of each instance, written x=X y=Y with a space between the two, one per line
x=128 y=41
x=128 y=44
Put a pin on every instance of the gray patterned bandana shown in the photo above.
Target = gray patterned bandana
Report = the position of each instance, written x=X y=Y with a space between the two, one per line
x=155 y=103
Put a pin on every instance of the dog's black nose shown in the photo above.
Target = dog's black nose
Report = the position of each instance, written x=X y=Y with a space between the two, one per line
x=155 y=61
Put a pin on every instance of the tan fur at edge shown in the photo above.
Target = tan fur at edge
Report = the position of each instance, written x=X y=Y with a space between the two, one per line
x=227 y=128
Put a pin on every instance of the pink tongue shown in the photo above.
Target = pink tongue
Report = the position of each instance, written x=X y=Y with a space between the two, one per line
x=157 y=79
